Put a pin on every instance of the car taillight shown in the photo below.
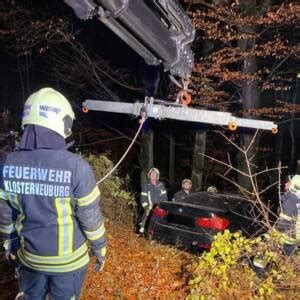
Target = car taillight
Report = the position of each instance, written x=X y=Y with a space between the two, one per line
x=213 y=222
x=205 y=246
x=159 y=212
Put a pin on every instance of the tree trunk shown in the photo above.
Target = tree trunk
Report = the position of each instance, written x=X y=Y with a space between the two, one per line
x=250 y=99
x=250 y=90
x=198 y=160
x=146 y=155
x=292 y=158
x=280 y=143
x=151 y=82
x=293 y=165
x=171 y=160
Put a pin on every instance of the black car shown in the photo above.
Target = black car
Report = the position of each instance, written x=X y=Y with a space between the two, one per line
x=193 y=222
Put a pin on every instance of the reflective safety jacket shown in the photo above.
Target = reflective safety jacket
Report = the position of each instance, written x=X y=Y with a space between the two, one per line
x=180 y=195
x=50 y=198
x=289 y=218
x=153 y=194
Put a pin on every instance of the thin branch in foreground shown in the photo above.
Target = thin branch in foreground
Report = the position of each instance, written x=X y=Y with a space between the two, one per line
x=224 y=164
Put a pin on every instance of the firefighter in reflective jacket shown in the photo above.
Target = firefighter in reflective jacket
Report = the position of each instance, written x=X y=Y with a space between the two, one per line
x=152 y=193
x=49 y=203
x=289 y=218
x=288 y=223
x=186 y=185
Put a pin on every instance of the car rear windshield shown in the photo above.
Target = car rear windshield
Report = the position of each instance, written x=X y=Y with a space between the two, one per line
x=224 y=202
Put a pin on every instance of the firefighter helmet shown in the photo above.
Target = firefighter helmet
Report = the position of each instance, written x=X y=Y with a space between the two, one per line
x=212 y=189
x=295 y=184
x=153 y=170
x=186 y=180
x=49 y=108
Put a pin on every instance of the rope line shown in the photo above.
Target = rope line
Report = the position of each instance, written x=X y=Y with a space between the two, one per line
x=142 y=120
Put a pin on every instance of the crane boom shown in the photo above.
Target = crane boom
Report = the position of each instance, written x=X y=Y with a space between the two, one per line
x=161 y=32
x=158 y=30
x=178 y=112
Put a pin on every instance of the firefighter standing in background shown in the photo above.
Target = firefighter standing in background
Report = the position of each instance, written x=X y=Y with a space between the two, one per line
x=288 y=223
x=289 y=218
x=152 y=193
x=287 y=184
x=185 y=191
x=49 y=204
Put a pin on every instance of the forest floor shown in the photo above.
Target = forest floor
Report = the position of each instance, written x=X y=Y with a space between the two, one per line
x=135 y=268
x=138 y=269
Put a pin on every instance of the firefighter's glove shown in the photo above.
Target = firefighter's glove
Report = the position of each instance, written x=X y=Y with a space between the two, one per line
x=10 y=247
x=100 y=259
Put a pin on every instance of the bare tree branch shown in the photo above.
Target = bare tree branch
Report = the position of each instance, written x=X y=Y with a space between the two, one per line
x=261 y=210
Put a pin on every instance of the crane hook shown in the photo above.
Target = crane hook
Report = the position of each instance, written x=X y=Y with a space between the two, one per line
x=184 y=97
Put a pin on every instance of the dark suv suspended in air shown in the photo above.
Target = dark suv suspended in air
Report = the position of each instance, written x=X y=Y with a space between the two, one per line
x=193 y=222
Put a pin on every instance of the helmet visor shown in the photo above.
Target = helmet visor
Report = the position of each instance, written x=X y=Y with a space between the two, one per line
x=68 y=123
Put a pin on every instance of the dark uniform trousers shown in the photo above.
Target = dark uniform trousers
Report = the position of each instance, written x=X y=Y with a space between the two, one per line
x=66 y=286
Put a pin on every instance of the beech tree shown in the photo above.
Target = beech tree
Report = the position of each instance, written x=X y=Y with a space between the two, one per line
x=246 y=59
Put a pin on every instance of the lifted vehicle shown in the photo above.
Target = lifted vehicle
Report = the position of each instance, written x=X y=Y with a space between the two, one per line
x=192 y=223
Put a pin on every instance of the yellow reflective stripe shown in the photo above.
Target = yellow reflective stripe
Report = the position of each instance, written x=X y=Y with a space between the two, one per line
x=260 y=263
x=7 y=229
x=144 y=194
x=58 y=269
x=95 y=234
x=81 y=262
x=149 y=200
x=54 y=260
x=65 y=226
x=70 y=227
x=90 y=198
x=103 y=251
x=285 y=217
x=19 y=223
x=144 y=204
x=288 y=240
x=298 y=227
x=14 y=201
x=3 y=195
x=163 y=192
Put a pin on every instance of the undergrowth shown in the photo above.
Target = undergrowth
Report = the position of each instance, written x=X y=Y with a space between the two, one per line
x=117 y=204
x=227 y=272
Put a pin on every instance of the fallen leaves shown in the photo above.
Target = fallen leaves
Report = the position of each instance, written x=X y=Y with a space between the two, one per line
x=137 y=269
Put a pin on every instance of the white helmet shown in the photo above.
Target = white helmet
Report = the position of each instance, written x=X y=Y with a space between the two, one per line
x=153 y=170
x=295 y=185
x=186 y=180
x=49 y=108
x=212 y=189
